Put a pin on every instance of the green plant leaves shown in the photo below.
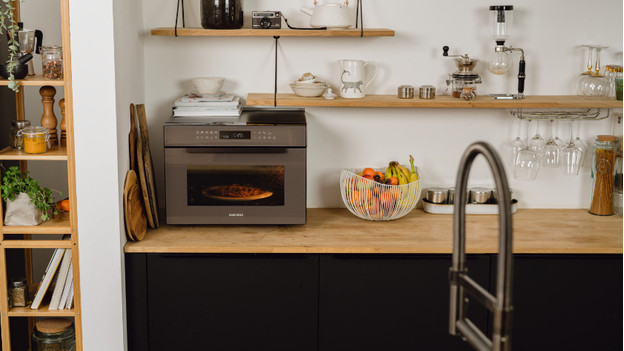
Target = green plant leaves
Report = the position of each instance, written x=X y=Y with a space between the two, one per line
x=13 y=183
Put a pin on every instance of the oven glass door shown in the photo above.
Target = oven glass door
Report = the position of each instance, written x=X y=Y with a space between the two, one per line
x=235 y=185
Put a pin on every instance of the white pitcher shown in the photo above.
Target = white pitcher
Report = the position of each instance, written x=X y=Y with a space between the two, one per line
x=352 y=77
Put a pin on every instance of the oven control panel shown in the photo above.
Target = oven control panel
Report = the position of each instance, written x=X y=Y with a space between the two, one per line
x=189 y=136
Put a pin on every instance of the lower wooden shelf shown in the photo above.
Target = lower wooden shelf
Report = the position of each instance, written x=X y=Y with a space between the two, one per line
x=443 y=101
x=43 y=311
x=55 y=153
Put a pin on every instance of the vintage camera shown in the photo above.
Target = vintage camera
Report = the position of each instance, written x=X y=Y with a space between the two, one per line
x=266 y=20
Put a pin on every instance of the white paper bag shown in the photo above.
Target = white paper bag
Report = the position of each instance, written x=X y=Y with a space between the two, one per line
x=22 y=212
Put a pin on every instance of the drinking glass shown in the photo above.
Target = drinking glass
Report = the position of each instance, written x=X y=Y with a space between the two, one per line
x=571 y=157
x=551 y=151
x=579 y=143
x=559 y=142
x=526 y=163
x=537 y=142
x=514 y=146
x=590 y=49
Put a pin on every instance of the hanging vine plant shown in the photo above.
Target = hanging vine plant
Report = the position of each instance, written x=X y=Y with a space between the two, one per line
x=9 y=25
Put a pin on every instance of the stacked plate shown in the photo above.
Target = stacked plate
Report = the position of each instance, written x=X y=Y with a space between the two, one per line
x=309 y=86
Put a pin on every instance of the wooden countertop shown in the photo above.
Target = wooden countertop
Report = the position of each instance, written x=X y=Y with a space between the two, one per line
x=338 y=231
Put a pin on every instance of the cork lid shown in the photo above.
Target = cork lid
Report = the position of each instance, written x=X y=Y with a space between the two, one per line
x=53 y=325
x=606 y=138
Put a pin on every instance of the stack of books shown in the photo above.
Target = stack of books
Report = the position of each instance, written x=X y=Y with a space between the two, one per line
x=207 y=105
x=57 y=278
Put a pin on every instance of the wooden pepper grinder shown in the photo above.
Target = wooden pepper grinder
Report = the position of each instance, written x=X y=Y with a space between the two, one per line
x=63 y=124
x=48 y=120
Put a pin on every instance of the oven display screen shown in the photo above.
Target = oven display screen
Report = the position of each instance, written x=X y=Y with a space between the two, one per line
x=231 y=134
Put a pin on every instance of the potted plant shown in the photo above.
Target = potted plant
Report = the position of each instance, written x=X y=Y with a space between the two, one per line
x=27 y=203
x=9 y=25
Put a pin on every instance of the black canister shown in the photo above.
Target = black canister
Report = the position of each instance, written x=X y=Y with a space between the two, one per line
x=221 y=14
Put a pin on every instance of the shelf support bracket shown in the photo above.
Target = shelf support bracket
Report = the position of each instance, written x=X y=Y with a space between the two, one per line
x=276 y=37
x=591 y=114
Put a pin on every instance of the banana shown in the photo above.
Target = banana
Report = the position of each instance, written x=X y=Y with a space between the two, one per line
x=405 y=171
x=401 y=176
x=413 y=175
x=388 y=172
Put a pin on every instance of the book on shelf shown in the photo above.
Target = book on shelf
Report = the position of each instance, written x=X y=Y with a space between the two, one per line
x=49 y=273
x=230 y=100
x=61 y=280
x=221 y=112
x=69 y=284
x=70 y=298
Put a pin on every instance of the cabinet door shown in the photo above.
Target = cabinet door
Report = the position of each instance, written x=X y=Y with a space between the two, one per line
x=391 y=302
x=232 y=302
x=567 y=302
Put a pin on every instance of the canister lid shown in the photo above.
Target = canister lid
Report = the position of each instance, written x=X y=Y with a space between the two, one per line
x=53 y=325
x=35 y=131
x=606 y=138
x=17 y=283
x=20 y=123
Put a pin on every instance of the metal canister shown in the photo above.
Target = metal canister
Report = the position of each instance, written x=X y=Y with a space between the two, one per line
x=405 y=92
x=427 y=92
x=17 y=142
x=437 y=195
x=480 y=195
x=495 y=196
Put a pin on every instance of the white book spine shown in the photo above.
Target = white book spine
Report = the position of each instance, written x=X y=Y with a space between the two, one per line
x=61 y=280
x=47 y=278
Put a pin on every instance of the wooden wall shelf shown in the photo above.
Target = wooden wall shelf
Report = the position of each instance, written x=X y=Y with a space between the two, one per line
x=248 y=32
x=55 y=153
x=36 y=80
x=444 y=101
x=41 y=312
x=58 y=225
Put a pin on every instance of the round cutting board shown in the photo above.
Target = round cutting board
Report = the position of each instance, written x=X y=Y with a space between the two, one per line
x=134 y=211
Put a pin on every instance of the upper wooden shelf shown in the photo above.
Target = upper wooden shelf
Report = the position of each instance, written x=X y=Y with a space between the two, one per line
x=57 y=225
x=43 y=311
x=55 y=153
x=444 y=101
x=335 y=231
x=36 y=80
x=284 y=32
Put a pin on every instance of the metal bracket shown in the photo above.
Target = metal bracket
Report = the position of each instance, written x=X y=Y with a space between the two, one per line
x=276 y=37
x=591 y=114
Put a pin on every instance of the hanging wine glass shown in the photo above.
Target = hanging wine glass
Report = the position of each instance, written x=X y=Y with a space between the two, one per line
x=526 y=164
x=514 y=146
x=571 y=156
x=579 y=143
x=551 y=151
x=537 y=142
x=559 y=142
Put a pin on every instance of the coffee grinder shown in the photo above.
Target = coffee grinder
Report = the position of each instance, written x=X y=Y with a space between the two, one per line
x=29 y=41
x=500 y=60
x=465 y=76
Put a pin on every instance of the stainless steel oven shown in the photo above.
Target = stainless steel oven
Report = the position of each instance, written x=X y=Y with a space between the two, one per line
x=248 y=171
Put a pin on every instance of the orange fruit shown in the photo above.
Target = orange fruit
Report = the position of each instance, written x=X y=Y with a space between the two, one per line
x=369 y=171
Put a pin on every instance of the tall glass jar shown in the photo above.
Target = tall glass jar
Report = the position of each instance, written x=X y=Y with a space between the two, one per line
x=52 y=62
x=610 y=72
x=17 y=141
x=18 y=292
x=603 y=175
x=54 y=334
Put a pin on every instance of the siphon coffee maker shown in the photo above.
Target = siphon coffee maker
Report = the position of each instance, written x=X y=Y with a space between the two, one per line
x=29 y=41
x=465 y=76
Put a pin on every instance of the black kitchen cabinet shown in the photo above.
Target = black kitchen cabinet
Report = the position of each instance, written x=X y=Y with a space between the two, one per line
x=231 y=302
x=567 y=302
x=362 y=301
x=391 y=302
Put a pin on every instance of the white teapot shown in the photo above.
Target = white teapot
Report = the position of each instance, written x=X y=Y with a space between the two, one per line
x=330 y=15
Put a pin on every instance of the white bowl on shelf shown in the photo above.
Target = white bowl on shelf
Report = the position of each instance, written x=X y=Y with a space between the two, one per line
x=208 y=85
x=309 y=89
x=374 y=201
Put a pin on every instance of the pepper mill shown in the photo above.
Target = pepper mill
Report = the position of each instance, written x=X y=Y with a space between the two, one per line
x=63 y=124
x=48 y=120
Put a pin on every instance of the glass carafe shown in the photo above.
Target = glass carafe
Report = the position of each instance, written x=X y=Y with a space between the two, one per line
x=221 y=14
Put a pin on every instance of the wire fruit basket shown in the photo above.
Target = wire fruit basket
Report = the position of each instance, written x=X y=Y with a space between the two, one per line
x=374 y=201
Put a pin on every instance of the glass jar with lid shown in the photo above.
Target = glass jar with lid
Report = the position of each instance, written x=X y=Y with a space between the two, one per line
x=35 y=139
x=54 y=334
x=603 y=175
x=52 y=62
x=18 y=292
x=17 y=142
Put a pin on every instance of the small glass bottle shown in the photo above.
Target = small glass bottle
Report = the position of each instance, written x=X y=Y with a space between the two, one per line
x=18 y=293
x=17 y=141
x=467 y=93
x=52 y=62
x=603 y=175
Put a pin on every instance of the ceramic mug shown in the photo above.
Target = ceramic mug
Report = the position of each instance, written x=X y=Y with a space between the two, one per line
x=352 y=76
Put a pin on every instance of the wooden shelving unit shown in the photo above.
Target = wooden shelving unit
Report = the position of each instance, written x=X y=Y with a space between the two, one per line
x=28 y=238
x=445 y=101
x=284 y=32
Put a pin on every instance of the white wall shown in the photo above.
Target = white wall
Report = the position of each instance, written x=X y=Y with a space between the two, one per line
x=550 y=32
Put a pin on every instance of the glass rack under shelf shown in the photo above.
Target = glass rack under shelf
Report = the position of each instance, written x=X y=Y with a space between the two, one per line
x=591 y=114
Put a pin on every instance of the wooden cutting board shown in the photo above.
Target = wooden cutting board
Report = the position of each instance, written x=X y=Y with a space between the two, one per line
x=134 y=211
x=148 y=169
x=132 y=136
x=143 y=182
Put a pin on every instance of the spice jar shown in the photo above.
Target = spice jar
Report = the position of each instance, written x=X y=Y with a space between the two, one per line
x=52 y=62
x=468 y=93
x=54 y=334
x=480 y=195
x=18 y=293
x=35 y=139
x=603 y=175
x=17 y=142
x=437 y=195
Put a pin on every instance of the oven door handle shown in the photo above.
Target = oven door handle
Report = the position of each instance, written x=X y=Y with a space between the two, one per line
x=236 y=150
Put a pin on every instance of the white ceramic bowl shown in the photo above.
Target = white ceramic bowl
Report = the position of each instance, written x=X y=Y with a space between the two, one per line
x=374 y=201
x=208 y=85
x=309 y=90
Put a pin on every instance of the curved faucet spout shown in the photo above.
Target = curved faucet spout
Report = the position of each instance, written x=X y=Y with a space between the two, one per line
x=460 y=282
